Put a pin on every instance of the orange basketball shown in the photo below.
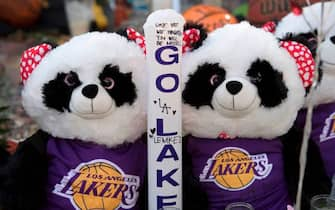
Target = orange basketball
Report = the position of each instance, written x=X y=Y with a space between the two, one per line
x=211 y=17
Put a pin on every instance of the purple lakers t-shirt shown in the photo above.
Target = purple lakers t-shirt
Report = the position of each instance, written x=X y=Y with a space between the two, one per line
x=240 y=170
x=84 y=175
x=323 y=132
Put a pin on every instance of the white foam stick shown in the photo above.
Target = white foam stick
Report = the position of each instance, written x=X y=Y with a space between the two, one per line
x=163 y=33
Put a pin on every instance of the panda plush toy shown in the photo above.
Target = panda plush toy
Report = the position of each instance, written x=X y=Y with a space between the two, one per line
x=241 y=94
x=307 y=24
x=88 y=97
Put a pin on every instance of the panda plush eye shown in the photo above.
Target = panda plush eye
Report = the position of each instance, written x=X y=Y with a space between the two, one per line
x=216 y=79
x=71 y=79
x=117 y=83
x=108 y=83
x=57 y=92
x=256 y=78
x=270 y=85
x=204 y=81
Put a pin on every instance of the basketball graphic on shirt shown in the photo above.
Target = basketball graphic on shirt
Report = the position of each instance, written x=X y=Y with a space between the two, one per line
x=99 y=185
x=233 y=180
x=233 y=168
x=92 y=173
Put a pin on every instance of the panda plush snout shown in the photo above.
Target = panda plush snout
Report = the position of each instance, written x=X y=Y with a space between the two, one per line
x=91 y=101
x=235 y=97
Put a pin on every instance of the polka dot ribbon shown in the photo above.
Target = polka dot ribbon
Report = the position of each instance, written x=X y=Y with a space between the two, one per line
x=190 y=36
x=31 y=58
x=295 y=8
x=304 y=59
x=269 y=26
x=137 y=37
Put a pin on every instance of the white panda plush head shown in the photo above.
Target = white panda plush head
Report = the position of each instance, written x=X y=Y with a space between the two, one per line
x=242 y=83
x=309 y=24
x=90 y=88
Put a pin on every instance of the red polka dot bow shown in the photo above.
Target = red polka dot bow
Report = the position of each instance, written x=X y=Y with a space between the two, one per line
x=295 y=8
x=137 y=37
x=190 y=36
x=304 y=59
x=31 y=58
x=269 y=26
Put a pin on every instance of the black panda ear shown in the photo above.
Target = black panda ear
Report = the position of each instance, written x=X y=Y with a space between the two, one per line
x=307 y=39
x=202 y=32
x=52 y=44
x=123 y=32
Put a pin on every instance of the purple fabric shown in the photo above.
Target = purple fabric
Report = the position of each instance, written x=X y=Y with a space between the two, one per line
x=323 y=132
x=244 y=170
x=84 y=175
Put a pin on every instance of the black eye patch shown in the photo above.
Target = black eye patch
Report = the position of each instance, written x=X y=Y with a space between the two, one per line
x=123 y=89
x=269 y=82
x=332 y=39
x=57 y=92
x=201 y=85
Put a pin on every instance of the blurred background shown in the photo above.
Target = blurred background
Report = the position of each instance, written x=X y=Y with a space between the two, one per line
x=25 y=23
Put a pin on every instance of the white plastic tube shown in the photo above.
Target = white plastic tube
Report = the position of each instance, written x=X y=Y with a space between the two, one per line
x=163 y=33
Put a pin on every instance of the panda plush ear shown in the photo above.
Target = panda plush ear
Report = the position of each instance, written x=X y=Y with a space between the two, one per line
x=132 y=35
x=299 y=49
x=194 y=35
x=304 y=60
x=269 y=26
x=307 y=39
x=31 y=58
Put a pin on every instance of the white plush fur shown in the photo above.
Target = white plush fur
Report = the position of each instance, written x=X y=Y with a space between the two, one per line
x=87 y=55
x=235 y=47
x=325 y=93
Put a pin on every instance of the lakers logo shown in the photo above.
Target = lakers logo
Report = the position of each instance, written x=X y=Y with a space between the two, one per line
x=99 y=184
x=328 y=131
x=233 y=169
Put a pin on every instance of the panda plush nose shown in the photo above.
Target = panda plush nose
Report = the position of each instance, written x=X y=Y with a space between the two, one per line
x=233 y=87
x=332 y=39
x=90 y=91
